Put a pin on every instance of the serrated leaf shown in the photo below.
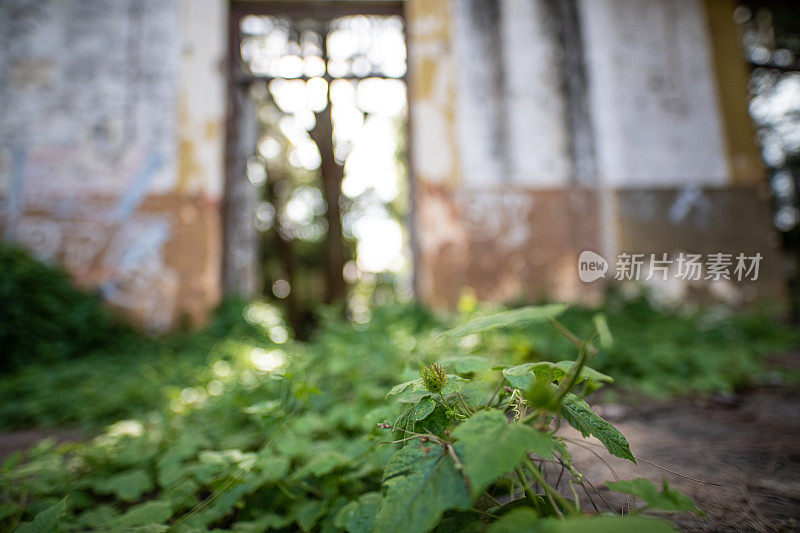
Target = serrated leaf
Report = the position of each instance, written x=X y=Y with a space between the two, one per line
x=587 y=373
x=422 y=409
x=668 y=499
x=522 y=376
x=527 y=521
x=530 y=314
x=415 y=413
x=453 y=384
x=580 y=416
x=47 y=520
x=358 y=516
x=422 y=483
x=127 y=486
x=489 y=446
x=156 y=512
x=402 y=387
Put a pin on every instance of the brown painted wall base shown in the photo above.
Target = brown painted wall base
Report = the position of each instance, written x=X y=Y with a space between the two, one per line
x=509 y=243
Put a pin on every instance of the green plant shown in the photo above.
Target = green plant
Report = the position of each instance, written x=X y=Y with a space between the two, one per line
x=475 y=460
x=43 y=317
x=266 y=436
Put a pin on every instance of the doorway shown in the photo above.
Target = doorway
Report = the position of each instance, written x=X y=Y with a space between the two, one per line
x=317 y=185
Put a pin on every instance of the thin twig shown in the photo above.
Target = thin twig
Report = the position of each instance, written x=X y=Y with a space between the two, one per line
x=610 y=468
x=654 y=464
x=499 y=386
x=493 y=499
x=585 y=479
x=561 y=328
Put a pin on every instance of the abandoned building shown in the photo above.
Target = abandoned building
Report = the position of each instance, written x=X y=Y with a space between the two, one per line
x=537 y=129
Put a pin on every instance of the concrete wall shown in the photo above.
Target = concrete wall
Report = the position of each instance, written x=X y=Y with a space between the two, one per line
x=542 y=128
x=539 y=129
x=111 y=146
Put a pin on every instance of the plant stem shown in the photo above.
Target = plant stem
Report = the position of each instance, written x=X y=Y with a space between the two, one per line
x=551 y=493
x=527 y=489
x=499 y=386
x=561 y=328
x=573 y=375
x=492 y=499
x=469 y=411
x=445 y=402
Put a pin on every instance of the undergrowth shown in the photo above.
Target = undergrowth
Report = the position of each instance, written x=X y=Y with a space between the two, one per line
x=43 y=317
x=240 y=427
x=285 y=437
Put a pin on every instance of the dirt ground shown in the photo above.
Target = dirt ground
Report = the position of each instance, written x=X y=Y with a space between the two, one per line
x=748 y=443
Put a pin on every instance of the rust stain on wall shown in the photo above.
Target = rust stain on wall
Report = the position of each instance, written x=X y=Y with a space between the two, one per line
x=156 y=266
x=505 y=243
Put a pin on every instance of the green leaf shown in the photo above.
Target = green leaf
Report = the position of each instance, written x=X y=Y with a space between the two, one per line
x=272 y=467
x=128 y=486
x=358 y=516
x=422 y=409
x=522 y=376
x=603 y=331
x=580 y=416
x=668 y=499
x=530 y=314
x=97 y=517
x=527 y=521
x=587 y=373
x=413 y=414
x=47 y=520
x=321 y=464
x=422 y=483
x=453 y=384
x=489 y=446
x=156 y=512
x=308 y=513
x=262 y=523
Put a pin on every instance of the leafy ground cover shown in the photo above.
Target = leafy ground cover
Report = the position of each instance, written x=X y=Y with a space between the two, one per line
x=241 y=427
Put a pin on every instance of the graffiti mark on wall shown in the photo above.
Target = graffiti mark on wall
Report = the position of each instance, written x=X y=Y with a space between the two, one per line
x=103 y=241
x=494 y=214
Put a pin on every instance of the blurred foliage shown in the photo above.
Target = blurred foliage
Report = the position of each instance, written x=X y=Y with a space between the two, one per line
x=43 y=317
x=660 y=350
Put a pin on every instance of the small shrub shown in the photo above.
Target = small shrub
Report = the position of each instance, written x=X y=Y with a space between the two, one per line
x=43 y=317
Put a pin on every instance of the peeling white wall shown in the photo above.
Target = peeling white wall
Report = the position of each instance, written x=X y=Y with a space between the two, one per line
x=538 y=140
x=480 y=112
x=201 y=100
x=88 y=92
x=652 y=93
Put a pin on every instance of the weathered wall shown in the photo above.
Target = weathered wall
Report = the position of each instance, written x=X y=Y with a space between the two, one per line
x=111 y=146
x=541 y=128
